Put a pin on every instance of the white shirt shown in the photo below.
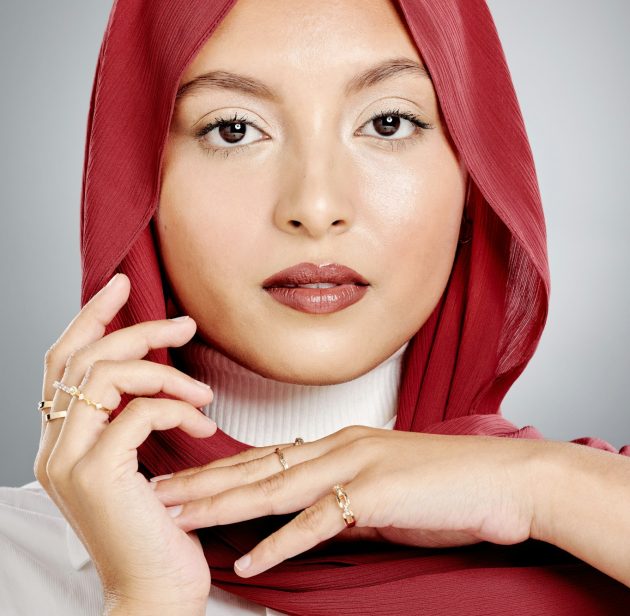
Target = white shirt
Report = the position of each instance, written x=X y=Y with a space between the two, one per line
x=47 y=570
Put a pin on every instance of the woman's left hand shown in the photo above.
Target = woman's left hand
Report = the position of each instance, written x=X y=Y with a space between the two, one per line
x=419 y=489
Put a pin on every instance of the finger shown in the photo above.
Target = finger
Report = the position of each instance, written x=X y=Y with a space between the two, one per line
x=282 y=492
x=111 y=453
x=188 y=485
x=105 y=382
x=132 y=342
x=140 y=417
x=309 y=528
x=344 y=435
x=86 y=327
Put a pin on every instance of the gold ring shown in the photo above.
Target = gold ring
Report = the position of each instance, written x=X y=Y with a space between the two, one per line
x=55 y=415
x=44 y=404
x=284 y=463
x=77 y=393
x=344 y=504
x=298 y=441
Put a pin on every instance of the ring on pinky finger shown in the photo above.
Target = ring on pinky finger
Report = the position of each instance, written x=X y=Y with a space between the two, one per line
x=311 y=526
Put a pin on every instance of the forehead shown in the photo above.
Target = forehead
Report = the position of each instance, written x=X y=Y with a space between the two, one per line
x=313 y=39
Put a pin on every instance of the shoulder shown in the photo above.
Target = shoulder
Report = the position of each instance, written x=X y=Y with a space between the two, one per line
x=39 y=575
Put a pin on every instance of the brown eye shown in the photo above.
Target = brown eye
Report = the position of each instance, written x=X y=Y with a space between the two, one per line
x=225 y=134
x=232 y=133
x=386 y=125
x=396 y=123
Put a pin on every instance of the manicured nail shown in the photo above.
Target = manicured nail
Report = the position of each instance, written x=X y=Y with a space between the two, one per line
x=243 y=562
x=160 y=477
x=204 y=385
x=182 y=318
x=175 y=510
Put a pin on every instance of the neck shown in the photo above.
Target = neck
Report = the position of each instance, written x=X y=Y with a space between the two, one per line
x=260 y=411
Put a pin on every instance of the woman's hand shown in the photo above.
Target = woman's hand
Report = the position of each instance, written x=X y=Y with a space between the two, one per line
x=89 y=466
x=419 y=489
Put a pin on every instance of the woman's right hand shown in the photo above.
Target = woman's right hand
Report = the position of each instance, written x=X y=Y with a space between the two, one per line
x=89 y=466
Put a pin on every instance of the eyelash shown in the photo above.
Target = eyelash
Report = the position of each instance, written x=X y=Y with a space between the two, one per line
x=397 y=144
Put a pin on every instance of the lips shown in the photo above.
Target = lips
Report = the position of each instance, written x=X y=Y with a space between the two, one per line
x=309 y=273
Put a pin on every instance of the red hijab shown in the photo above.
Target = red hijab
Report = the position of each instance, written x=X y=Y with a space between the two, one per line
x=457 y=368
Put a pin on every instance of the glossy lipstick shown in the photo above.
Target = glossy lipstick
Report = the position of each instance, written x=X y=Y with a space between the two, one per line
x=341 y=287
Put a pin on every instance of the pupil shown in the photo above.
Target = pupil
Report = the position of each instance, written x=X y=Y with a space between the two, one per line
x=232 y=137
x=389 y=124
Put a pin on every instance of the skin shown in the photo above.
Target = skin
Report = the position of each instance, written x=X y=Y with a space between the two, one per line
x=387 y=205
x=399 y=215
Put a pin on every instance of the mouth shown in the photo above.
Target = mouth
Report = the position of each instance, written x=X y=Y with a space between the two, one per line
x=317 y=290
x=311 y=276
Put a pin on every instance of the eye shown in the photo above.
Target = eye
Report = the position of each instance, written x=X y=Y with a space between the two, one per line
x=227 y=134
x=388 y=123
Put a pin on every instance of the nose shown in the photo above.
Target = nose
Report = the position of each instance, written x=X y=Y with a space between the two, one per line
x=315 y=198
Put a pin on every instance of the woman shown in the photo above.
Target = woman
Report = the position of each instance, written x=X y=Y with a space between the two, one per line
x=229 y=142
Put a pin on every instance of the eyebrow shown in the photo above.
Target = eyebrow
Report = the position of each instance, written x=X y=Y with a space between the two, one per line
x=374 y=75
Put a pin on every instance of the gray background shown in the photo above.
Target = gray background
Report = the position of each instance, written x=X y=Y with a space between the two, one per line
x=568 y=60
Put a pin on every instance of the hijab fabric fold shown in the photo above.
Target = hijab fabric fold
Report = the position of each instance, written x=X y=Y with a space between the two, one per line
x=457 y=368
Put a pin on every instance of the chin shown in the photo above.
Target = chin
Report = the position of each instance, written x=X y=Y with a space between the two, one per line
x=310 y=377
x=306 y=367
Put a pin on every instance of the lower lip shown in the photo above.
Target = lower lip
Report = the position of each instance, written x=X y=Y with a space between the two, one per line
x=319 y=301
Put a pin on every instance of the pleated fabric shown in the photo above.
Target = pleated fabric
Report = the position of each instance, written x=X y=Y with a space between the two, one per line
x=457 y=368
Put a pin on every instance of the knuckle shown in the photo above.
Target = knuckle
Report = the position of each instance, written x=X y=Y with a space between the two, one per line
x=309 y=520
x=141 y=410
x=56 y=470
x=272 y=547
x=139 y=407
x=97 y=367
x=354 y=432
x=39 y=470
x=270 y=486
x=79 y=358
x=249 y=469
x=51 y=356
x=71 y=359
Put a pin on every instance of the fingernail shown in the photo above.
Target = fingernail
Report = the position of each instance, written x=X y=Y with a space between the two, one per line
x=111 y=280
x=243 y=562
x=160 y=477
x=175 y=510
x=182 y=318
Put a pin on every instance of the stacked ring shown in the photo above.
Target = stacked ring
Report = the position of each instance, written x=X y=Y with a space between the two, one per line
x=77 y=393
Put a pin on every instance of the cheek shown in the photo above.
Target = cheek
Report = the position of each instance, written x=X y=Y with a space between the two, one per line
x=419 y=206
x=206 y=220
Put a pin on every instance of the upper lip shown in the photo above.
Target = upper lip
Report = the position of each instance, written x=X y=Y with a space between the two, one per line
x=309 y=273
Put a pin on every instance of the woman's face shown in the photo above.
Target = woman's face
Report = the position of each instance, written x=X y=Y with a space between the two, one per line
x=307 y=174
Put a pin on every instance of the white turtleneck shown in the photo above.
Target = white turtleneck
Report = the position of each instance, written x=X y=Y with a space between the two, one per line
x=260 y=411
